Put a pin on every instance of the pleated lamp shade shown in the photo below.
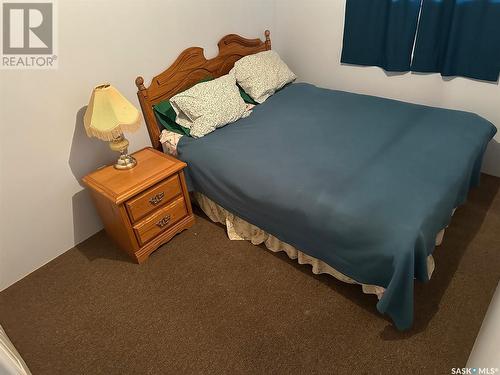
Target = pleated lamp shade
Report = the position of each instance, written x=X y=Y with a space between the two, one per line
x=109 y=114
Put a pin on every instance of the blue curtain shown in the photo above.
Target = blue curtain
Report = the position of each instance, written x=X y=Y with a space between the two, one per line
x=459 y=38
x=380 y=33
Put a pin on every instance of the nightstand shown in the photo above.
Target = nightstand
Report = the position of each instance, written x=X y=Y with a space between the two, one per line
x=143 y=207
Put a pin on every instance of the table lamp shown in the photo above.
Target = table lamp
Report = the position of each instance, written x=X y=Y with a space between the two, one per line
x=108 y=115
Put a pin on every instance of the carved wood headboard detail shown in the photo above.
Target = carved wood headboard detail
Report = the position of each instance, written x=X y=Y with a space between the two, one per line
x=188 y=69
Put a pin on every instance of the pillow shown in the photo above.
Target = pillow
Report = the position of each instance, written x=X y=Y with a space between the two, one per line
x=209 y=105
x=166 y=115
x=262 y=74
x=243 y=94
x=246 y=98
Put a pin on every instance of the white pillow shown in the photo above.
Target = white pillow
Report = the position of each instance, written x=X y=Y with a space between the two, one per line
x=261 y=74
x=209 y=105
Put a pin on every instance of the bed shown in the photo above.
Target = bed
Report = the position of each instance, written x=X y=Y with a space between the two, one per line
x=360 y=187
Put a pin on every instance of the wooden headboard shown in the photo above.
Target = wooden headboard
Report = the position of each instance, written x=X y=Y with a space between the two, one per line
x=188 y=69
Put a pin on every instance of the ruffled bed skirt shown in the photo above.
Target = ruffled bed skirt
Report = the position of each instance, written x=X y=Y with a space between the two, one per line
x=239 y=229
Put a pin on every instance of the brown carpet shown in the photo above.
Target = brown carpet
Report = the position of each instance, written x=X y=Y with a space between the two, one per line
x=204 y=304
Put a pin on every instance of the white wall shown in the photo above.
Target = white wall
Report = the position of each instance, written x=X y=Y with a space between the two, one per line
x=308 y=35
x=45 y=151
x=485 y=352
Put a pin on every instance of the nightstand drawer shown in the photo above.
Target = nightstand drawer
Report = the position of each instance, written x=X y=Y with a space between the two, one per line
x=161 y=220
x=153 y=198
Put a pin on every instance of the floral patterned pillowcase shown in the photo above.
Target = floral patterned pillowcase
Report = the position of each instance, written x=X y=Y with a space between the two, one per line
x=209 y=105
x=170 y=139
x=262 y=74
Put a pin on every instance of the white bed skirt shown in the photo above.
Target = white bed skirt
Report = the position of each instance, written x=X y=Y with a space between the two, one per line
x=239 y=229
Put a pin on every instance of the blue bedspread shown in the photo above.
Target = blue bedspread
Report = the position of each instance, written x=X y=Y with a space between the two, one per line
x=360 y=182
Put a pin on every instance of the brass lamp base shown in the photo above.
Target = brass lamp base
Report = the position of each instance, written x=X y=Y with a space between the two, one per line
x=125 y=161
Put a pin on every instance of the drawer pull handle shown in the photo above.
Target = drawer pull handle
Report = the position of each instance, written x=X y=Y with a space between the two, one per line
x=163 y=221
x=157 y=198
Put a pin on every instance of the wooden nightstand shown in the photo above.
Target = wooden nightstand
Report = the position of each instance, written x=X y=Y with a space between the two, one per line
x=143 y=207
